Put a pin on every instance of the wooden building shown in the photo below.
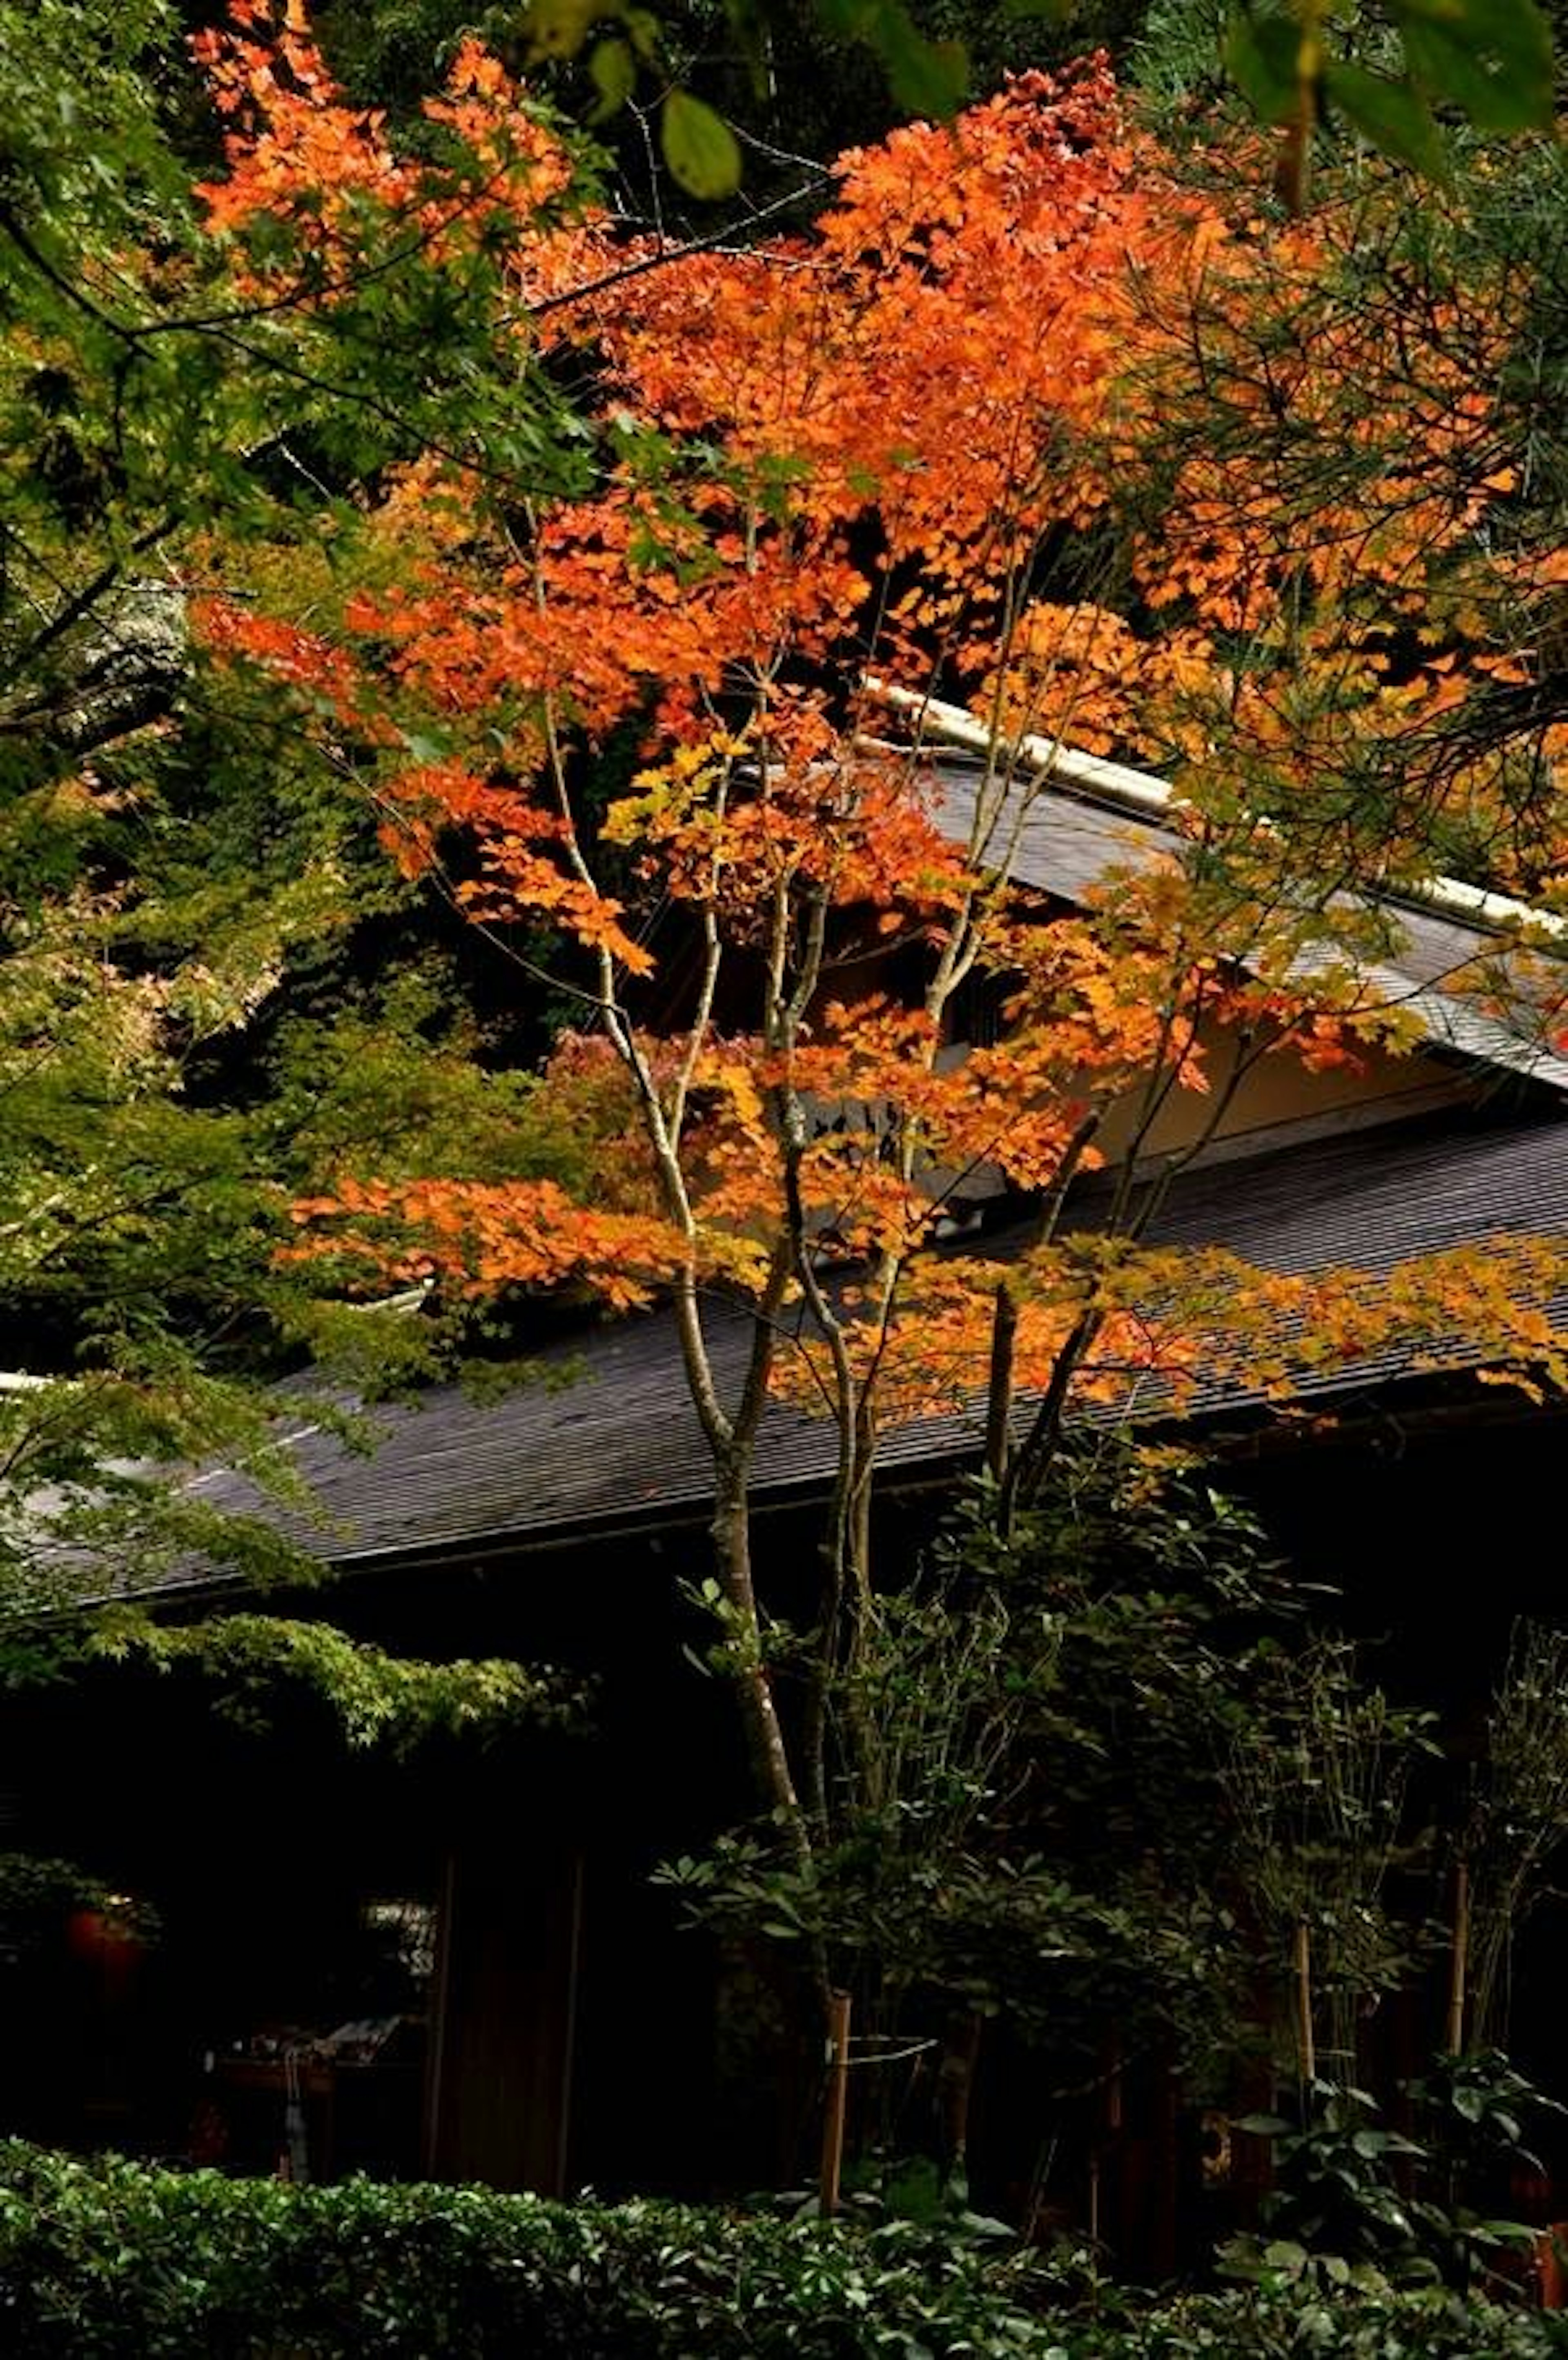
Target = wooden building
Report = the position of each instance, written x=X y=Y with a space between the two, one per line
x=524 y=2015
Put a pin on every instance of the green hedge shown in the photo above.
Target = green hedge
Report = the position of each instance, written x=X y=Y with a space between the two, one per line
x=112 y=2258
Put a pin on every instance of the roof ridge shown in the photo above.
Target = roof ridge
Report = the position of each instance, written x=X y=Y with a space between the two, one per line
x=1146 y=793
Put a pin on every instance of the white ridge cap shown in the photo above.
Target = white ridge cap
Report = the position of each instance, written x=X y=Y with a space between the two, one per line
x=1141 y=790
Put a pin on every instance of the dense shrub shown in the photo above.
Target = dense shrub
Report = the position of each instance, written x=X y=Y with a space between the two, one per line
x=112 y=2258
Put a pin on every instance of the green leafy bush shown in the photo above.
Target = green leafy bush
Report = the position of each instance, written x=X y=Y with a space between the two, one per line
x=1352 y=2198
x=112 y=2258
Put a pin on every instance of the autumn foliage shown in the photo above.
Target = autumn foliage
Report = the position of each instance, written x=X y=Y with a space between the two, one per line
x=1019 y=419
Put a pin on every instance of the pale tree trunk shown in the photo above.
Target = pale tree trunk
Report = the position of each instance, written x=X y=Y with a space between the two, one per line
x=766 y=1748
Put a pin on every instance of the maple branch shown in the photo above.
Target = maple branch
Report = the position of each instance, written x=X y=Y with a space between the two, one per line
x=697 y=1362
x=1248 y=1051
x=1067 y=1171
x=1160 y=1081
x=713 y=958
x=59 y=1411
x=1029 y=1464
x=302 y=295
x=785 y=1010
x=999 y=1381
x=64 y=285
x=713 y=241
x=1027 y=1472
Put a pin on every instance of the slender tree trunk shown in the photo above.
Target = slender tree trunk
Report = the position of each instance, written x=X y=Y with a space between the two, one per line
x=999 y=1389
x=1031 y=1463
x=769 y=1755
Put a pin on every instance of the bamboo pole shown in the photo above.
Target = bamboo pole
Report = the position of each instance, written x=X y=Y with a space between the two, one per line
x=837 y=2098
x=1306 y=2045
x=1459 y=1961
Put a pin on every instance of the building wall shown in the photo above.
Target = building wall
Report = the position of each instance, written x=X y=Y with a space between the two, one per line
x=1279 y=1092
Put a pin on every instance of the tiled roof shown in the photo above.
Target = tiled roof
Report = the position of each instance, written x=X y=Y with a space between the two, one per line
x=1069 y=843
x=619 y=1446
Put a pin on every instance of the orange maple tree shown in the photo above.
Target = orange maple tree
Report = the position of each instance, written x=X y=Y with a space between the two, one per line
x=1339 y=602
x=865 y=450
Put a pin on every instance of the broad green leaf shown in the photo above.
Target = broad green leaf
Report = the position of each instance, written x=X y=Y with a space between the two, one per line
x=1262 y=55
x=1057 y=11
x=558 y=28
x=1390 y=115
x=930 y=78
x=1491 y=59
x=926 y=77
x=613 y=71
x=699 y=147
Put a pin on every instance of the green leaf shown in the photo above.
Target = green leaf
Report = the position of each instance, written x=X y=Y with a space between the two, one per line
x=1504 y=2232
x=930 y=78
x=558 y=28
x=613 y=71
x=1262 y=56
x=927 y=77
x=1390 y=115
x=699 y=147
x=1056 y=11
x=1490 y=59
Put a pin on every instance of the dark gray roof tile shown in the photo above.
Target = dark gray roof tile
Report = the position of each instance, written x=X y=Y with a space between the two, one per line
x=621 y=1445
x=1475 y=992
